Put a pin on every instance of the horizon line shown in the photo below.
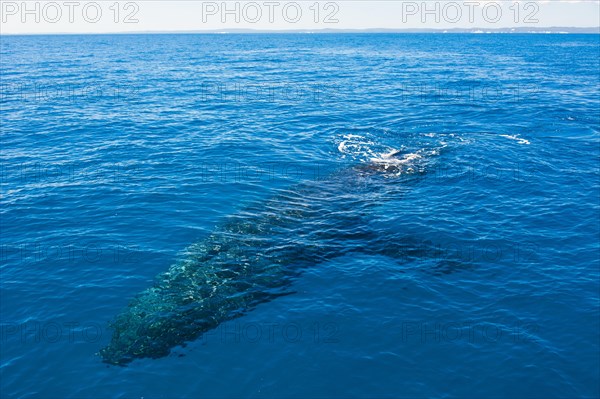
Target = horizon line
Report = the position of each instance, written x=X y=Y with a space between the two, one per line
x=523 y=30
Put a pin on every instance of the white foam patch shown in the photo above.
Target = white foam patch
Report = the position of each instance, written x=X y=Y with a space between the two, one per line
x=359 y=147
x=516 y=138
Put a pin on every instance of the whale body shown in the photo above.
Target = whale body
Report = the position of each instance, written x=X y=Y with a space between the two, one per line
x=254 y=257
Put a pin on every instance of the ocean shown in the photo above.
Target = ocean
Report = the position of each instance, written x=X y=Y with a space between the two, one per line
x=425 y=205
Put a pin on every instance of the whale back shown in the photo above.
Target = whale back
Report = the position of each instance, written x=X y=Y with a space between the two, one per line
x=254 y=256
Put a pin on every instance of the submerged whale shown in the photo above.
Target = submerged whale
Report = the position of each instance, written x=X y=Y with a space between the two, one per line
x=255 y=256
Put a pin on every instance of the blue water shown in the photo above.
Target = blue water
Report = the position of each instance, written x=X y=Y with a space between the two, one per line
x=120 y=151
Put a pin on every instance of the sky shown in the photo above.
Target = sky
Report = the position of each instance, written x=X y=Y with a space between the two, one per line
x=113 y=16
